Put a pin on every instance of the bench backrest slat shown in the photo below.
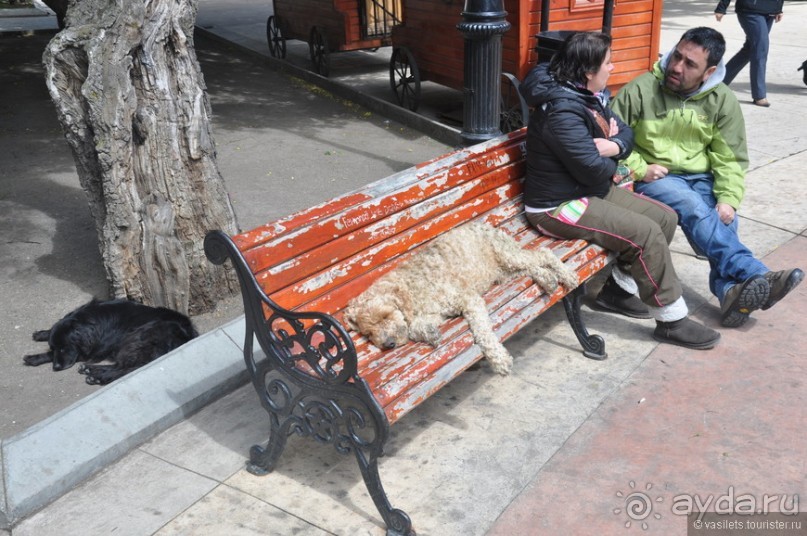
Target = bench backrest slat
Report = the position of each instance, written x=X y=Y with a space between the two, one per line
x=440 y=172
x=337 y=283
x=410 y=202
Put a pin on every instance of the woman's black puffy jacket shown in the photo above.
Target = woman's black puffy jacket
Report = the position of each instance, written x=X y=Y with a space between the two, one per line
x=563 y=162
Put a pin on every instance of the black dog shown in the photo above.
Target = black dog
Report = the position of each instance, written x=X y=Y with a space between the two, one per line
x=126 y=333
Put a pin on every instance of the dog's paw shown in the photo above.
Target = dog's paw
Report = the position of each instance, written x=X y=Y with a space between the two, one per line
x=569 y=279
x=426 y=329
x=501 y=368
x=428 y=334
x=35 y=360
x=92 y=380
x=501 y=364
x=545 y=279
x=41 y=336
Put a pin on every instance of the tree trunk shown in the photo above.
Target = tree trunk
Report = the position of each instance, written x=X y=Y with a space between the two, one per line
x=60 y=8
x=131 y=99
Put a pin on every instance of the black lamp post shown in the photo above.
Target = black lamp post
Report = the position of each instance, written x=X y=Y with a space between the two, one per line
x=482 y=26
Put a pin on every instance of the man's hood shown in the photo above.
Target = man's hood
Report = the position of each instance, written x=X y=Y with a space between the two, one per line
x=716 y=77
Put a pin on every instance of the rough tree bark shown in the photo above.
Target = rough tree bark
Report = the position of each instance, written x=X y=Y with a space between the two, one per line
x=129 y=93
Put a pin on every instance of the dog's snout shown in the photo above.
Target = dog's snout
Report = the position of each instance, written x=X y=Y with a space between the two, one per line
x=389 y=344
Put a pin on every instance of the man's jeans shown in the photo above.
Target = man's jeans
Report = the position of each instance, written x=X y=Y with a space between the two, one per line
x=692 y=199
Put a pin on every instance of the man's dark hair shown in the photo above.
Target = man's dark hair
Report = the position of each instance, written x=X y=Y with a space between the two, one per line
x=710 y=40
x=579 y=54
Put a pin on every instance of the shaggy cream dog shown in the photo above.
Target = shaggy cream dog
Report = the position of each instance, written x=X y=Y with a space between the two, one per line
x=446 y=279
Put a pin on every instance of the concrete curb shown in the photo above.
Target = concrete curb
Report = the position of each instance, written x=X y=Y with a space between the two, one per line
x=48 y=459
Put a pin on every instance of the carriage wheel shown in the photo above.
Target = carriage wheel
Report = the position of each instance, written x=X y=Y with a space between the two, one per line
x=277 y=43
x=404 y=78
x=318 y=50
x=513 y=110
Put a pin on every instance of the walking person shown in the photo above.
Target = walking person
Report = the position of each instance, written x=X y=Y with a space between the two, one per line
x=756 y=18
x=574 y=142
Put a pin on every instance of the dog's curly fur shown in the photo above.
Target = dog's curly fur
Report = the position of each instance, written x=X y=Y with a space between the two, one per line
x=447 y=278
x=126 y=333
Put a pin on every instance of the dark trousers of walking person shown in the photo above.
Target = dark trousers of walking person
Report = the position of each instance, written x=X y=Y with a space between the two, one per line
x=757 y=28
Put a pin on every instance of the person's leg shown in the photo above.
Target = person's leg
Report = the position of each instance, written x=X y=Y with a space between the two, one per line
x=740 y=59
x=618 y=294
x=692 y=199
x=637 y=240
x=757 y=29
x=640 y=243
x=736 y=276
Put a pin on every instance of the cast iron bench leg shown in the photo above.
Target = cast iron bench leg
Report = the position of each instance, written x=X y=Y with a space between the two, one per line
x=593 y=345
x=398 y=523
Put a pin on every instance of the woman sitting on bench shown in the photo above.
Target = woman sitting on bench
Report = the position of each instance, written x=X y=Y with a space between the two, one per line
x=573 y=145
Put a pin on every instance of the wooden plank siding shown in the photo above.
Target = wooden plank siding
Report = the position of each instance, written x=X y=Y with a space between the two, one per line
x=318 y=259
x=429 y=31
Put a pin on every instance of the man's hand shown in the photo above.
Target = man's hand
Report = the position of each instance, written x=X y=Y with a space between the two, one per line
x=655 y=172
x=719 y=16
x=726 y=213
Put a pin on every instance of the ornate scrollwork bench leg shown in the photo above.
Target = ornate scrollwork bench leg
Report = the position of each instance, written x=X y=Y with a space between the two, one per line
x=593 y=345
x=309 y=384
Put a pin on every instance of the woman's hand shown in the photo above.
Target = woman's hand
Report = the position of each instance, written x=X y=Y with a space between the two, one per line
x=614 y=128
x=719 y=16
x=606 y=148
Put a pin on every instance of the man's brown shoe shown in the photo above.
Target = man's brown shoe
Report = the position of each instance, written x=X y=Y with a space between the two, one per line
x=781 y=283
x=743 y=298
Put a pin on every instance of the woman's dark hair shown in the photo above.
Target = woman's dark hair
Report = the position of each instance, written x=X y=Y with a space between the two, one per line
x=580 y=54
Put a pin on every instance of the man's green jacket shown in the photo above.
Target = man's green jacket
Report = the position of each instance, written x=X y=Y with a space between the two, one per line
x=702 y=132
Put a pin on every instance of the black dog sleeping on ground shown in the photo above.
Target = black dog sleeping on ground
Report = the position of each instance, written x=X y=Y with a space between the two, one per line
x=126 y=333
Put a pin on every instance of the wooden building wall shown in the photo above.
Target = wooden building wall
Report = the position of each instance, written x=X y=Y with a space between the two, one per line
x=429 y=31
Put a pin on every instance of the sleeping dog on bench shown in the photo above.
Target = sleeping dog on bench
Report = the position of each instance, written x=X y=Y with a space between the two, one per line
x=126 y=333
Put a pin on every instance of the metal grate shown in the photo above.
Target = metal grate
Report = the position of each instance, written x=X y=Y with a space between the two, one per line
x=379 y=16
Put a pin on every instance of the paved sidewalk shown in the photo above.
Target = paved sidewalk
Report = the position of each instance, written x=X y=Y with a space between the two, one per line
x=554 y=449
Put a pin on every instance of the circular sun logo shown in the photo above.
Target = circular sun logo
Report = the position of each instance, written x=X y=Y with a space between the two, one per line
x=637 y=505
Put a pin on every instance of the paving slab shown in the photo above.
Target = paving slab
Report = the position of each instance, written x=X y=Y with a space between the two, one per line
x=685 y=424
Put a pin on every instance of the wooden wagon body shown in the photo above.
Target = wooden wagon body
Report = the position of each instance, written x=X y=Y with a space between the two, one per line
x=332 y=26
x=429 y=35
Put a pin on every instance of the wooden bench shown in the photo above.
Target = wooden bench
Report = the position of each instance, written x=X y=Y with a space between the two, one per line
x=320 y=380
